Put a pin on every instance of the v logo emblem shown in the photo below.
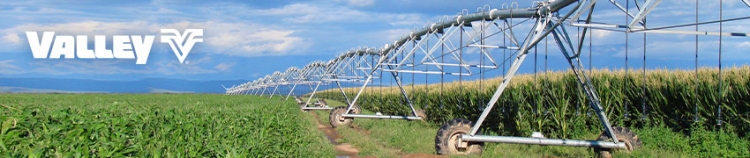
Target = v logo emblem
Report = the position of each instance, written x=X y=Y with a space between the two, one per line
x=181 y=43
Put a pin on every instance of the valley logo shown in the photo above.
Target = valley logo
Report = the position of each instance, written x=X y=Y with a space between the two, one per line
x=123 y=46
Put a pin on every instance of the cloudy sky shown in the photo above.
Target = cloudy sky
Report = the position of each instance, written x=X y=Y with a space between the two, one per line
x=247 y=40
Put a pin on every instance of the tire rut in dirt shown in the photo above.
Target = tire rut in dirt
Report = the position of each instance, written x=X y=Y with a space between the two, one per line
x=342 y=149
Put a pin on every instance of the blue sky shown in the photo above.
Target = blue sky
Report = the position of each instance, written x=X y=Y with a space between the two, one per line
x=249 y=39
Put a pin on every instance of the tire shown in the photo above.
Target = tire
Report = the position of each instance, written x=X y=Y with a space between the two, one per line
x=446 y=141
x=298 y=99
x=322 y=103
x=356 y=109
x=624 y=135
x=301 y=106
x=337 y=120
x=421 y=114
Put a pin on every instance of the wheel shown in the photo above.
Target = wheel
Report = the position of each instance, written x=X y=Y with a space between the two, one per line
x=624 y=135
x=421 y=114
x=322 y=103
x=356 y=109
x=298 y=99
x=302 y=106
x=446 y=141
x=336 y=119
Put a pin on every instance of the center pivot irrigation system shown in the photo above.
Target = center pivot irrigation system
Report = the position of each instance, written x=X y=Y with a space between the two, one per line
x=491 y=36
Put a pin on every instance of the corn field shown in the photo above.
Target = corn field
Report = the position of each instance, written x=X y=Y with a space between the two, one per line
x=554 y=104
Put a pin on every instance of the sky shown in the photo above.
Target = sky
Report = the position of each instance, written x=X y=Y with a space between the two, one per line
x=250 y=39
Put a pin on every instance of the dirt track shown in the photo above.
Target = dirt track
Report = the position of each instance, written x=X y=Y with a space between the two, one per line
x=348 y=150
x=342 y=149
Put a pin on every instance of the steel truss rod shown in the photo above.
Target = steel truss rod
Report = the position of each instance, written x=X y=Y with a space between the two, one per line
x=536 y=36
x=382 y=116
x=461 y=19
x=317 y=108
x=611 y=27
x=542 y=141
x=337 y=69
x=643 y=10
x=563 y=41
x=543 y=27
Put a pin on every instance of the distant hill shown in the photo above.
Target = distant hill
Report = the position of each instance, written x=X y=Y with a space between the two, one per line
x=147 y=85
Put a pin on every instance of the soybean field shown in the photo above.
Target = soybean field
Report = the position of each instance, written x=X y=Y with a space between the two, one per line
x=155 y=125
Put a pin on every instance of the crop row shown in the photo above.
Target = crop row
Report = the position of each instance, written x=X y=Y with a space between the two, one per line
x=154 y=125
x=554 y=104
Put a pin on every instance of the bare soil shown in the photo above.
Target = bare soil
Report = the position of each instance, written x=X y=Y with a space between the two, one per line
x=342 y=149
x=348 y=150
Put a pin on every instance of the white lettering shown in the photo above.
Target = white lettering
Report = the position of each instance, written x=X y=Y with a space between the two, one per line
x=63 y=46
x=39 y=49
x=82 y=48
x=121 y=47
x=142 y=48
x=100 y=48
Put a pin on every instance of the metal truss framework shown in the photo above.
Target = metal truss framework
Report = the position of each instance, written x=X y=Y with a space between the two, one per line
x=441 y=48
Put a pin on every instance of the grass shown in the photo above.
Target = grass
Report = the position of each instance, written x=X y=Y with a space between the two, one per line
x=367 y=146
x=156 y=125
x=381 y=137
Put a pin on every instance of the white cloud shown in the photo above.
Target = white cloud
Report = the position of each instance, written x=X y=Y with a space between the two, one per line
x=685 y=50
x=7 y=67
x=601 y=34
x=65 y=67
x=166 y=11
x=12 y=38
x=359 y=3
x=224 y=66
x=86 y=28
x=389 y=36
x=252 y=40
x=192 y=67
x=39 y=11
x=306 y=13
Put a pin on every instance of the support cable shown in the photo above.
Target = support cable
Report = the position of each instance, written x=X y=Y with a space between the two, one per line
x=643 y=87
x=481 y=57
x=695 y=87
x=536 y=93
x=546 y=71
x=591 y=67
x=442 y=77
x=580 y=89
x=721 y=95
x=460 y=63
x=413 y=56
x=426 y=69
x=627 y=66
